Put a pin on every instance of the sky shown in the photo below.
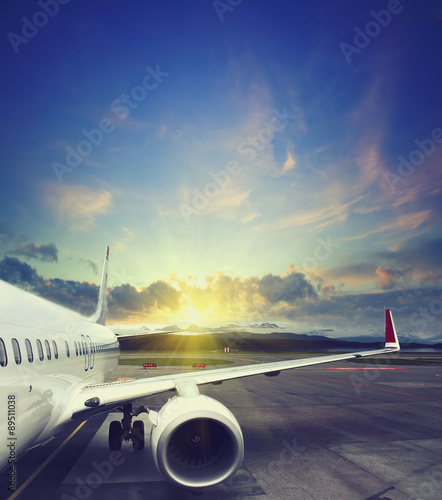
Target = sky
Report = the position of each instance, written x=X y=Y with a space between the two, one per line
x=246 y=161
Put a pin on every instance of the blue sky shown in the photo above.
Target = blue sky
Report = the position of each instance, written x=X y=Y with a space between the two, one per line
x=244 y=161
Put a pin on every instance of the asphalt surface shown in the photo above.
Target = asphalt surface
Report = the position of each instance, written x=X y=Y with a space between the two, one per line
x=336 y=431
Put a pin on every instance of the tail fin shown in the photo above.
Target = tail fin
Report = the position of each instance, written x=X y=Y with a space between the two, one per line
x=100 y=314
x=391 y=340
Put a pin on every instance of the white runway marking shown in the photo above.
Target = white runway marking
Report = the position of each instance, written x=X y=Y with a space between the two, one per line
x=98 y=464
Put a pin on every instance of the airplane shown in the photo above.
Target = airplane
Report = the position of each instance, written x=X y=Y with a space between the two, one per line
x=54 y=364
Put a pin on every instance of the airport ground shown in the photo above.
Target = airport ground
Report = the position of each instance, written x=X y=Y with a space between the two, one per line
x=335 y=431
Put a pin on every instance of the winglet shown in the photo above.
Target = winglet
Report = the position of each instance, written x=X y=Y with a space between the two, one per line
x=391 y=340
x=100 y=314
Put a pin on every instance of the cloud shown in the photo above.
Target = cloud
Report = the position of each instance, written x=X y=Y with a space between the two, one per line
x=19 y=273
x=285 y=288
x=328 y=289
x=126 y=300
x=424 y=255
x=431 y=277
x=388 y=277
x=45 y=253
x=164 y=295
x=417 y=312
x=227 y=203
x=80 y=296
x=90 y=263
x=352 y=274
x=225 y=296
x=289 y=297
x=78 y=206
x=331 y=213
x=289 y=163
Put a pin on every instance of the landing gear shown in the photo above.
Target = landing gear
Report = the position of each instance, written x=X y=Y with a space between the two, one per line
x=124 y=430
x=115 y=435
x=138 y=435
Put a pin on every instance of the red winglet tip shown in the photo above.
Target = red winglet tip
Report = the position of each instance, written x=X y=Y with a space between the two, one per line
x=390 y=336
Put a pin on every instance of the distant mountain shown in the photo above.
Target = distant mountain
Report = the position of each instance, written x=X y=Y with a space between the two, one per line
x=405 y=340
x=271 y=332
x=265 y=325
x=198 y=329
x=363 y=338
x=173 y=328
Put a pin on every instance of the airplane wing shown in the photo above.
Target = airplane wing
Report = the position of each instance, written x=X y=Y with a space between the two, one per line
x=97 y=398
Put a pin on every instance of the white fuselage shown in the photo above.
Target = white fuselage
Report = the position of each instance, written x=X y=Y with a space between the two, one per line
x=47 y=354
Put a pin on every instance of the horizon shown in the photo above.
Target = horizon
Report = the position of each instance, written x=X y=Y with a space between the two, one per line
x=265 y=162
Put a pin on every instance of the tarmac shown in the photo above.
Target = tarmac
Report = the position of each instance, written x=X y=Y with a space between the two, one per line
x=336 y=431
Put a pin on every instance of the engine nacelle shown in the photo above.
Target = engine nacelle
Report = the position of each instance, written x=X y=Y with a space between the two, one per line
x=196 y=441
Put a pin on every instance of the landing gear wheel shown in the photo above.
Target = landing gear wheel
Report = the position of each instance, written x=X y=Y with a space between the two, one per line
x=115 y=433
x=138 y=435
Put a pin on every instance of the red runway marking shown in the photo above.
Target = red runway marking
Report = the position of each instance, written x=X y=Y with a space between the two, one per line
x=385 y=390
x=368 y=368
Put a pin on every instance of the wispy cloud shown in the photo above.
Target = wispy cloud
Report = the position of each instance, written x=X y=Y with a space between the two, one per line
x=44 y=252
x=316 y=219
x=77 y=206
x=388 y=277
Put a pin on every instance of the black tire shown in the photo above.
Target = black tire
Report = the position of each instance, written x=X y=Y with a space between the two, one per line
x=138 y=433
x=115 y=433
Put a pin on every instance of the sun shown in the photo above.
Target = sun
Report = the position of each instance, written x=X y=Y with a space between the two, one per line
x=189 y=314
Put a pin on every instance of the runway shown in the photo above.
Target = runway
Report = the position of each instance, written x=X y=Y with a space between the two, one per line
x=323 y=432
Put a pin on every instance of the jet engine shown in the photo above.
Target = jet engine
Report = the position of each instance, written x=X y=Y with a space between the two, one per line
x=196 y=441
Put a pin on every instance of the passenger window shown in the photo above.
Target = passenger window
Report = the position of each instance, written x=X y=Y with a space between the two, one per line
x=16 y=350
x=55 y=348
x=67 y=348
x=29 y=350
x=40 y=350
x=48 y=349
x=76 y=348
x=3 y=355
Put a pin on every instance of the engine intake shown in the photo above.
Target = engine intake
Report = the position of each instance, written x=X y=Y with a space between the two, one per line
x=196 y=441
